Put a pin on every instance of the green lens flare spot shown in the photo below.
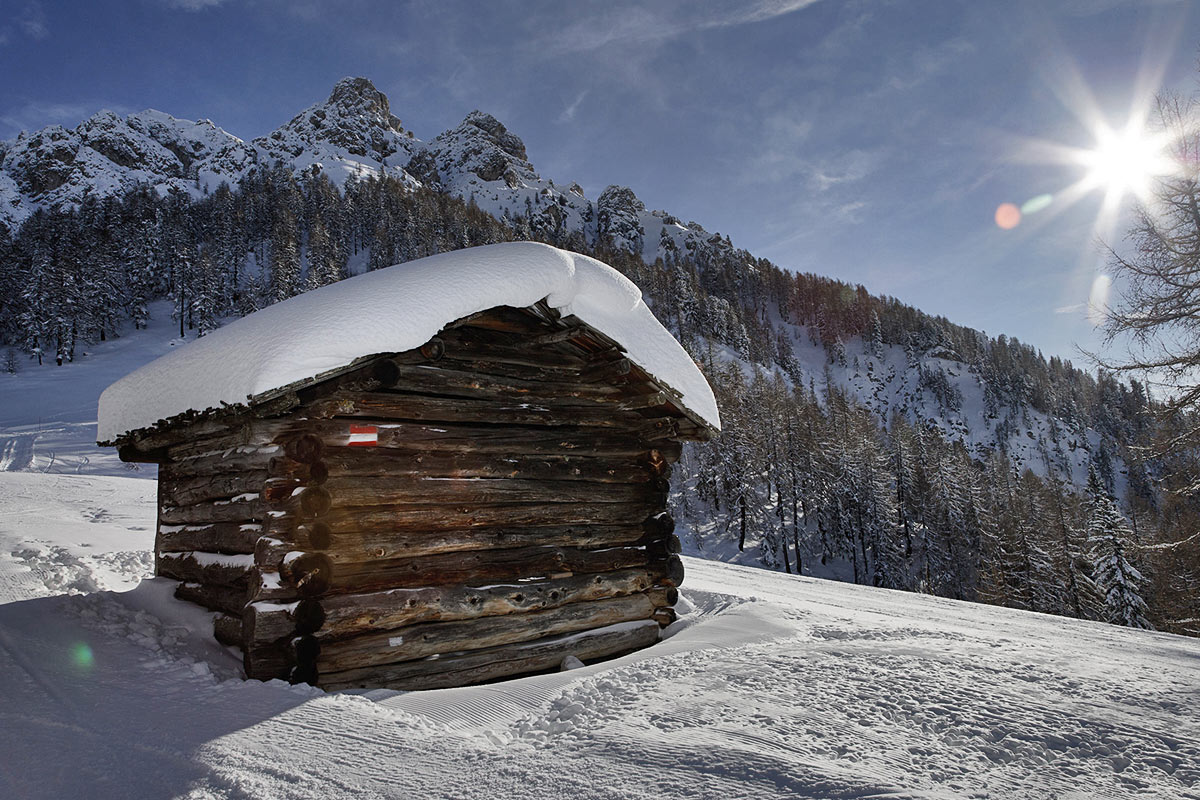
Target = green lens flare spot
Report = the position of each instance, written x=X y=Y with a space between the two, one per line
x=1036 y=204
x=81 y=654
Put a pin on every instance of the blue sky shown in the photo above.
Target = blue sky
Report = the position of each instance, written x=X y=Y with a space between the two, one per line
x=869 y=141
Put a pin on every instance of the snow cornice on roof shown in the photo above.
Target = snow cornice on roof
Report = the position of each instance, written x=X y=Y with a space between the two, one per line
x=392 y=310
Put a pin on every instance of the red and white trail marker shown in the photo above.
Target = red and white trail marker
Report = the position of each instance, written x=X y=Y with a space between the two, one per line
x=363 y=436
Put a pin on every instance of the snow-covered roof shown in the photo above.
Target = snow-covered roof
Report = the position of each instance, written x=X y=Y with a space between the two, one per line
x=392 y=310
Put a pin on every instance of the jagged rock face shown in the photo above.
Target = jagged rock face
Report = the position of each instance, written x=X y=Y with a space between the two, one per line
x=356 y=119
x=423 y=167
x=483 y=147
x=44 y=161
x=108 y=154
x=620 y=213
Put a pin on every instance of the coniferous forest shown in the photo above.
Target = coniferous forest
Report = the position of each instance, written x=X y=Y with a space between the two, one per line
x=810 y=475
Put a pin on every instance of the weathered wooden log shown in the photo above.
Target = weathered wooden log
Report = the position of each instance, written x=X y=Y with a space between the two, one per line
x=267 y=661
x=246 y=458
x=450 y=381
x=445 y=517
x=419 y=641
x=218 y=425
x=379 y=461
x=234 y=436
x=664 y=616
x=484 y=566
x=425 y=408
x=291 y=535
x=496 y=346
x=227 y=629
x=218 y=537
x=491 y=664
x=305 y=448
x=243 y=508
x=661 y=548
x=442 y=437
x=266 y=622
x=348 y=615
x=475 y=567
x=355 y=491
x=660 y=524
x=307 y=574
x=213 y=596
x=651 y=400
x=355 y=545
x=524 y=369
x=276 y=491
x=607 y=371
x=672 y=566
x=315 y=501
x=434 y=349
x=207 y=568
x=554 y=337
x=281 y=468
x=182 y=491
x=525 y=320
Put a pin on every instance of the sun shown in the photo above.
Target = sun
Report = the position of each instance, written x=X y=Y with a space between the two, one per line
x=1125 y=162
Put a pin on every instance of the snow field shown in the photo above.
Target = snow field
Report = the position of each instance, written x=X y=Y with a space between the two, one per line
x=768 y=686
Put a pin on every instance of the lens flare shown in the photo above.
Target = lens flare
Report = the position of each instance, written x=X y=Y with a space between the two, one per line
x=1097 y=305
x=1008 y=216
x=1036 y=204
x=82 y=655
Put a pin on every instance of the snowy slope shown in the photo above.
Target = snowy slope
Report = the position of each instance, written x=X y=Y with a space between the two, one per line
x=772 y=686
x=48 y=413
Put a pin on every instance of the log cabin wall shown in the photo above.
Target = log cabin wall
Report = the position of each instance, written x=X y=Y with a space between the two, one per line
x=477 y=508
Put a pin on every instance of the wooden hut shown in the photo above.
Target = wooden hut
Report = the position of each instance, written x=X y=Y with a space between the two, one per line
x=443 y=473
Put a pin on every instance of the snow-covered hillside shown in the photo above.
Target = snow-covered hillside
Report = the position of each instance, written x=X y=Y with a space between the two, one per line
x=770 y=686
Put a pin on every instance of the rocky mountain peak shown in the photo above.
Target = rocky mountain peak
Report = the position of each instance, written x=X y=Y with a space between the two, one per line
x=358 y=96
x=497 y=134
x=619 y=215
x=356 y=118
x=482 y=147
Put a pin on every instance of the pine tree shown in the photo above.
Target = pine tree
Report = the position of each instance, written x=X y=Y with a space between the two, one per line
x=284 y=279
x=1108 y=539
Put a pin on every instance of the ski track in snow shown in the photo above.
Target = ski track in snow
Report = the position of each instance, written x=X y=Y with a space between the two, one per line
x=771 y=686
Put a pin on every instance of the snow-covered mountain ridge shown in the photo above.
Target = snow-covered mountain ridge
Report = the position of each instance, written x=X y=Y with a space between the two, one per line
x=353 y=132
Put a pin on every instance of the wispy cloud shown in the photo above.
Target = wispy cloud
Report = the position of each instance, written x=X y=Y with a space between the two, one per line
x=568 y=113
x=32 y=21
x=625 y=25
x=929 y=62
x=192 y=5
x=1073 y=308
x=849 y=167
x=29 y=21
